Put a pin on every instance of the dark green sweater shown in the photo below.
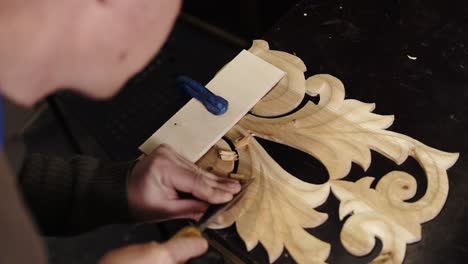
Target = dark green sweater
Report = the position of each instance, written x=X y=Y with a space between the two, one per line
x=69 y=197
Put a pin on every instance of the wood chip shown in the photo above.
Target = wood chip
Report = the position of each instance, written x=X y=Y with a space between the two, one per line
x=227 y=155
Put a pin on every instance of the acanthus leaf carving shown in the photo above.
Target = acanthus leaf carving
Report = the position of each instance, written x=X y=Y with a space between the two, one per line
x=338 y=132
x=276 y=208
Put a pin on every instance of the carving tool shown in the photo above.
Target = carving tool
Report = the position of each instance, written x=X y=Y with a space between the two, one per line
x=230 y=95
x=211 y=214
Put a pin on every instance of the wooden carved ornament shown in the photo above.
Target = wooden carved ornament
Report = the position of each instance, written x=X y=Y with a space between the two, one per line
x=337 y=132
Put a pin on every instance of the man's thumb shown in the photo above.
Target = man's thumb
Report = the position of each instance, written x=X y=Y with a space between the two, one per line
x=176 y=250
x=184 y=248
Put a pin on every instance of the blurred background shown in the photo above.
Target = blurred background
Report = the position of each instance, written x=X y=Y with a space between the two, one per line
x=246 y=19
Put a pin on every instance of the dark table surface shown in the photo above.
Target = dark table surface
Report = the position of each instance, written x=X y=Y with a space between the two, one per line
x=365 y=43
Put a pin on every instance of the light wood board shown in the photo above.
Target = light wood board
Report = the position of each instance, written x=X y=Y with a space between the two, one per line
x=192 y=131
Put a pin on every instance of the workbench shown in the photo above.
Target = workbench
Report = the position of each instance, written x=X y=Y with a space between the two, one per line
x=409 y=57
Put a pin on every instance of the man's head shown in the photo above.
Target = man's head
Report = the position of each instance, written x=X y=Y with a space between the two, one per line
x=92 y=47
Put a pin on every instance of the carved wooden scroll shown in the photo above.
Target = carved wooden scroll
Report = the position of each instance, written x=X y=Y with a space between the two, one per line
x=278 y=206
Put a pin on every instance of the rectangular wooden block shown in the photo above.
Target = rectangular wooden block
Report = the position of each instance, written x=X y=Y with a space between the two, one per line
x=192 y=131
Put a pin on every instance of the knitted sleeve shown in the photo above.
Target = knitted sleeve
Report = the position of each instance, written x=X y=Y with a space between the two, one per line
x=69 y=197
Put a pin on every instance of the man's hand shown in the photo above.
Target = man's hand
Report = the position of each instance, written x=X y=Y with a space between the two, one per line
x=177 y=250
x=157 y=180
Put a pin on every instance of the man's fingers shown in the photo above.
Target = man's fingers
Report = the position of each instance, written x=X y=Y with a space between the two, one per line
x=227 y=185
x=174 y=251
x=212 y=195
x=188 y=177
x=183 y=249
x=198 y=170
x=213 y=191
x=146 y=253
x=202 y=187
x=222 y=183
x=187 y=208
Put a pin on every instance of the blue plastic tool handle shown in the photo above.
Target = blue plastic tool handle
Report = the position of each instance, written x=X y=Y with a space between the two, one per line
x=215 y=104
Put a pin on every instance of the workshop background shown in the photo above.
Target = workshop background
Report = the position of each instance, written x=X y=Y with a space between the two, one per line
x=365 y=43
